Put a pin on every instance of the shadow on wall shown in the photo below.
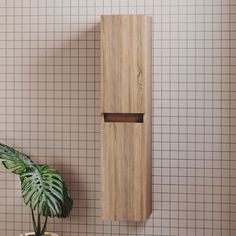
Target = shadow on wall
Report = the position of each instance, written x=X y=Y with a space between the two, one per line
x=60 y=109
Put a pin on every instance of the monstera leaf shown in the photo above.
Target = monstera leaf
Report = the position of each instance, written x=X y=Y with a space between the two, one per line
x=43 y=190
x=13 y=160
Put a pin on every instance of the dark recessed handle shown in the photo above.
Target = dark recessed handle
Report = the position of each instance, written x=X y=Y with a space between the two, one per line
x=123 y=117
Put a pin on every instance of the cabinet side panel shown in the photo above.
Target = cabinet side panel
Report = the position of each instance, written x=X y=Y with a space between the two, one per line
x=148 y=115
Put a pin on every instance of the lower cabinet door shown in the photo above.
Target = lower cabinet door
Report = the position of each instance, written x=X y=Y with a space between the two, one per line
x=125 y=172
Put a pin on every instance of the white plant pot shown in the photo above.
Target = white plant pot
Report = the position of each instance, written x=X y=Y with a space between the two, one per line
x=33 y=234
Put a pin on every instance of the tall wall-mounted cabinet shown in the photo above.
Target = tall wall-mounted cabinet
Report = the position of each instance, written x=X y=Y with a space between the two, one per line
x=126 y=117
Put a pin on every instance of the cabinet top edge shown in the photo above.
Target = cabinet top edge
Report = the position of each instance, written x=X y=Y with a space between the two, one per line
x=124 y=16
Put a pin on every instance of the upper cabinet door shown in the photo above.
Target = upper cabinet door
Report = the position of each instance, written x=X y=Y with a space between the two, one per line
x=125 y=63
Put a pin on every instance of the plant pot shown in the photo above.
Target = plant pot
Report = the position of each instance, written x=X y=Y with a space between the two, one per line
x=33 y=234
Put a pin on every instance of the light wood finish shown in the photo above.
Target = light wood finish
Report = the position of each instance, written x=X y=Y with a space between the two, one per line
x=124 y=44
x=126 y=118
x=123 y=161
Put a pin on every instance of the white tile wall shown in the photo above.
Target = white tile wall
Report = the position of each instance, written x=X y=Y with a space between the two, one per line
x=49 y=108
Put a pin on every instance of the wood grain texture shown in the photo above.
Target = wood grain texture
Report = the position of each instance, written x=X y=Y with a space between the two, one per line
x=124 y=165
x=123 y=62
x=148 y=117
x=126 y=146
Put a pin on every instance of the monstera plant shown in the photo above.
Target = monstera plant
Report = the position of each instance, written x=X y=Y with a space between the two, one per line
x=43 y=188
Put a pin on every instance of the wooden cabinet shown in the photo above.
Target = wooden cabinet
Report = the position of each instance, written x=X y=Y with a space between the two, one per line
x=126 y=117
